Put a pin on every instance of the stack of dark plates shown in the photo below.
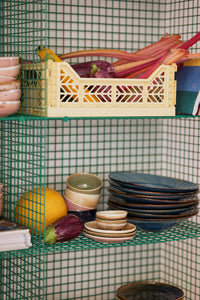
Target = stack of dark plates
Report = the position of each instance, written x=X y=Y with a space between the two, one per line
x=154 y=203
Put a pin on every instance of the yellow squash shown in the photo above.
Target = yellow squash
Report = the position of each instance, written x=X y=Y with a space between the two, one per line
x=40 y=207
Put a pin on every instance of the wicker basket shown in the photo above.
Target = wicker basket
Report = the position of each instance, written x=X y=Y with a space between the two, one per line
x=56 y=90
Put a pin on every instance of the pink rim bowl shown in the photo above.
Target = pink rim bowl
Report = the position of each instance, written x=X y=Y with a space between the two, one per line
x=10 y=71
x=12 y=85
x=9 y=108
x=71 y=206
x=9 y=61
x=87 y=200
x=12 y=95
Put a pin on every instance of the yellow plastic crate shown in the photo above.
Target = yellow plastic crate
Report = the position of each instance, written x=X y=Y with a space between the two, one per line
x=58 y=91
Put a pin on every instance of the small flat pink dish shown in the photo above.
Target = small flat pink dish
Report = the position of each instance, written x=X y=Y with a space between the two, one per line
x=9 y=108
x=9 y=61
x=92 y=226
x=114 y=234
x=12 y=85
x=10 y=71
x=8 y=96
x=109 y=239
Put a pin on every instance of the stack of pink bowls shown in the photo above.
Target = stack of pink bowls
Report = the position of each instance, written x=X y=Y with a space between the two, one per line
x=82 y=195
x=10 y=91
x=1 y=198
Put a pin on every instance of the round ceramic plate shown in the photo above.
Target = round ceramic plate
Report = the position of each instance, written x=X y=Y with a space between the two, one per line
x=151 y=182
x=131 y=192
x=155 y=225
x=113 y=234
x=149 y=290
x=123 y=203
x=133 y=214
x=108 y=239
x=92 y=226
x=172 y=211
x=147 y=199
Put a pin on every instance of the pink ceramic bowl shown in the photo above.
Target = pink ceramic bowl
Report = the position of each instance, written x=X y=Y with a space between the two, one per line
x=4 y=79
x=9 y=108
x=12 y=95
x=86 y=200
x=1 y=205
x=10 y=71
x=9 y=61
x=12 y=85
x=71 y=206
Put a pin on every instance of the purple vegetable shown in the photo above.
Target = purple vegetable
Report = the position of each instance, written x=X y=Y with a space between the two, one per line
x=102 y=67
x=98 y=73
x=64 y=229
x=97 y=69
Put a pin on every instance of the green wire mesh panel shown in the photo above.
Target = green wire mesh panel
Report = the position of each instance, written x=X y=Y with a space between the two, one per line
x=124 y=25
x=49 y=154
x=22 y=30
x=22 y=277
x=22 y=160
x=181 y=264
x=103 y=146
x=96 y=274
x=37 y=152
x=22 y=169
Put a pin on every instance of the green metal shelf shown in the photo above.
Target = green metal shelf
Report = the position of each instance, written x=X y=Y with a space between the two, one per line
x=183 y=230
x=22 y=118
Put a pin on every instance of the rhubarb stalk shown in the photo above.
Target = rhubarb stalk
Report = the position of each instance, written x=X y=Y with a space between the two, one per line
x=191 y=41
x=168 y=58
x=103 y=52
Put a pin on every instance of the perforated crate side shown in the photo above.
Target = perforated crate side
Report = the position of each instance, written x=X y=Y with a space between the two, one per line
x=72 y=96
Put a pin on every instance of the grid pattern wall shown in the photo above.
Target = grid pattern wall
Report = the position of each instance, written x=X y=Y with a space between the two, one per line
x=180 y=260
x=181 y=264
x=96 y=274
x=22 y=27
x=182 y=17
x=76 y=25
x=181 y=148
x=102 y=147
x=37 y=152
x=22 y=277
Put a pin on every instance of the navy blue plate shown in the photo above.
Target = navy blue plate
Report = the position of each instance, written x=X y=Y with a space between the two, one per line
x=153 y=215
x=134 y=199
x=156 y=209
x=150 y=182
x=154 y=225
x=153 y=195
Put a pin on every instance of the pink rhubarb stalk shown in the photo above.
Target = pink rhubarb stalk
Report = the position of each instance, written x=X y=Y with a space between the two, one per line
x=168 y=58
x=156 y=49
x=191 y=41
x=135 y=67
x=136 y=73
x=152 y=48
x=103 y=52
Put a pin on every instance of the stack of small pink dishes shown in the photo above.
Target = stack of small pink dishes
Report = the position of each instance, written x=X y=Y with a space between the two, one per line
x=1 y=198
x=10 y=91
x=110 y=227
